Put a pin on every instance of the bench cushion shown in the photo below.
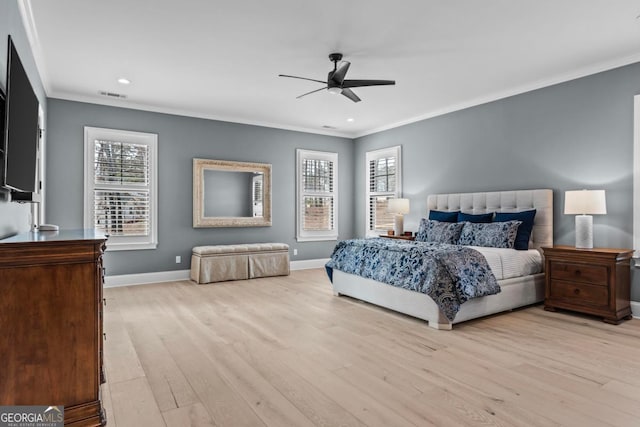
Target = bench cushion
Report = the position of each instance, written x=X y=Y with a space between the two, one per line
x=232 y=249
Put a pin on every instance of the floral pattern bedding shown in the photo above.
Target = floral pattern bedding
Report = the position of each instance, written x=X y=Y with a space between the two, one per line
x=449 y=274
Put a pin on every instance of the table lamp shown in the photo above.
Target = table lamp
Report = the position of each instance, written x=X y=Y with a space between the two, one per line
x=398 y=207
x=583 y=204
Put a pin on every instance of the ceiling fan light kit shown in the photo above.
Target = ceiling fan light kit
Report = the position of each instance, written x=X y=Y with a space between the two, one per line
x=336 y=82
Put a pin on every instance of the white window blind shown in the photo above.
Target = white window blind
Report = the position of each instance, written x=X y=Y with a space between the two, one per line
x=383 y=183
x=317 y=195
x=120 y=187
x=121 y=192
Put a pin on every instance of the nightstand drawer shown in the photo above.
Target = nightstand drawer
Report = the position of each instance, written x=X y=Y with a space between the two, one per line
x=592 y=274
x=580 y=293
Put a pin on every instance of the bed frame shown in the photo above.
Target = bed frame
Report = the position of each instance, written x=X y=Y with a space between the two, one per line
x=516 y=292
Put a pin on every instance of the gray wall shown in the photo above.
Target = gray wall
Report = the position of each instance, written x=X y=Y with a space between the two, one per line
x=180 y=139
x=569 y=136
x=15 y=217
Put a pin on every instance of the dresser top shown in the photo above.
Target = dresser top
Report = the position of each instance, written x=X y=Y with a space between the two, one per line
x=55 y=236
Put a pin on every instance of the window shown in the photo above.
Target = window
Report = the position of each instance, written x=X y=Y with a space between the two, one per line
x=317 y=201
x=384 y=176
x=120 y=170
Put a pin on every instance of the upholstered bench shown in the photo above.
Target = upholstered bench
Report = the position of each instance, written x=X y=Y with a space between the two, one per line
x=238 y=262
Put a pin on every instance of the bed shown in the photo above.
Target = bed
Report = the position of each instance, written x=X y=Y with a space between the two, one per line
x=514 y=291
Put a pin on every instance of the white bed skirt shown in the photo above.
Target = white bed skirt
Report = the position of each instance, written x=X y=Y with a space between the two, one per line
x=516 y=292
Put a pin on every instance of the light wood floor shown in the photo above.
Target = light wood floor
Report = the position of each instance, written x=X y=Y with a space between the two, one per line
x=285 y=352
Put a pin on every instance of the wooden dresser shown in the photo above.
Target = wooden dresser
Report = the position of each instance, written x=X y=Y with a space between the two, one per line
x=51 y=322
x=593 y=281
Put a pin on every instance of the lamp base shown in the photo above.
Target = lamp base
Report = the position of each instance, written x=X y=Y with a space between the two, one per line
x=584 y=232
x=398 y=224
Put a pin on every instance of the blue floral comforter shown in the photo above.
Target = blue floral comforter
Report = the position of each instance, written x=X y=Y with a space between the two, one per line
x=449 y=274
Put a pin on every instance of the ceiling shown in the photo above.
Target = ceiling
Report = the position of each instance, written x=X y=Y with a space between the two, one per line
x=221 y=59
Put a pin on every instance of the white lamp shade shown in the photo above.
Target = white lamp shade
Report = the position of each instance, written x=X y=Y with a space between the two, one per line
x=398 y=206
x=585 y=202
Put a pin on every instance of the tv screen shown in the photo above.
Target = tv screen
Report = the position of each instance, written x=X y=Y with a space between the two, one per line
x=2 y=106
x=21 y=127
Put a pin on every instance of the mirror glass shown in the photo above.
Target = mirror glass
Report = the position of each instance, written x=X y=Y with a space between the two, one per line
x=231 y=194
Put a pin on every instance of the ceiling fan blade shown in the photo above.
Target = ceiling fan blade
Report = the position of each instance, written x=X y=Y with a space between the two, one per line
x=360 y=83
x=301 y=78
x=340 y=72
x=349 y=94
x=309 y=93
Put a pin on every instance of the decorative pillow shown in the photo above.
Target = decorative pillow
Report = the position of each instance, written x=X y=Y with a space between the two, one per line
x=489 y=234
x=524 y=231
x=444 y=216
x=475 y=218
x=439 y=232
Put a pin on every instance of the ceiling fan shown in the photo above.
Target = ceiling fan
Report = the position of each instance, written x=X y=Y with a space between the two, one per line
x=336 y=82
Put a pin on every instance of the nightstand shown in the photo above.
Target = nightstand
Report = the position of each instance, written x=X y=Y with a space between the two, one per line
x=392 y=236
x=592 y=281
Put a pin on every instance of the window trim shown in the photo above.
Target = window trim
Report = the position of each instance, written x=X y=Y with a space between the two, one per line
x=315 y=236
x=396 y=151
x=122 y=243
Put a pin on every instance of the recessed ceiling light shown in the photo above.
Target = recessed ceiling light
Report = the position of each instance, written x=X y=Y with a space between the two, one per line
x=124 y=81
x=351 y=119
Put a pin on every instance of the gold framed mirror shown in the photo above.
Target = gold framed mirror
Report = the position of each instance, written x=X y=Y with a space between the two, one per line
x=231 y=194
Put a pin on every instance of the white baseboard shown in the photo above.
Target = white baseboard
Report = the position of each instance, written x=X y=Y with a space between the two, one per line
x=635 y=309
x=142 y=278
x=306 y=264
x=169 y=276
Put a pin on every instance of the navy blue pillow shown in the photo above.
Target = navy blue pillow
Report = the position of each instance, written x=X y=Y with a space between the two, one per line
x=524 y=231
x=475 y=218
x=443 y=216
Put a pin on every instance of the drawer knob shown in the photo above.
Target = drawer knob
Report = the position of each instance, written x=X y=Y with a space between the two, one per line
x=578 y=272
x=576 y=291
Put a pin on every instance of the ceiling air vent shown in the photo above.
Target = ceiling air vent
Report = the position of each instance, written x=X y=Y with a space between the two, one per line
x=328 y=127
x=112 y=94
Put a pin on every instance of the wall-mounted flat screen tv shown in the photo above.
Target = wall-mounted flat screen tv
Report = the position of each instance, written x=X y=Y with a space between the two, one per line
x=2 y=106
x=21 y=127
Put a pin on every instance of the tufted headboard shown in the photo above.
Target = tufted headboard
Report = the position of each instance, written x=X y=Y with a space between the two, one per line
x=503 y=201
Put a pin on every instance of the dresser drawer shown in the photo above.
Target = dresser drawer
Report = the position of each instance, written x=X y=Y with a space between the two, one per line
x=592 y=274
x=580 y=293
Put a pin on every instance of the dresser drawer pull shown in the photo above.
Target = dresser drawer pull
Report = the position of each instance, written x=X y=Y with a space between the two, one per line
x=578 y=273
x=576 y=291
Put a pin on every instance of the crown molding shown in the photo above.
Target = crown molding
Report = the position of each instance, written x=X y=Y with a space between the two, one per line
x=180 y=112
x=28 y=21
